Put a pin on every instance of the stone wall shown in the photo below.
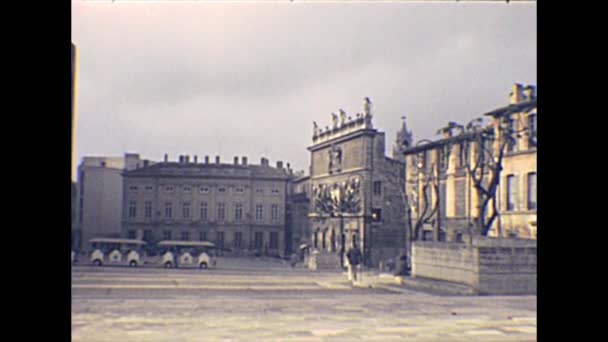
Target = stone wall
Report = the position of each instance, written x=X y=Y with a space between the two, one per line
x=489 y=266
x=320 y=260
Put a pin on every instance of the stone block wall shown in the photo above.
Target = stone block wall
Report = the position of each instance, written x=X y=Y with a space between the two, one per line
x=489 y=266
x=452 y=262
x=319 y=260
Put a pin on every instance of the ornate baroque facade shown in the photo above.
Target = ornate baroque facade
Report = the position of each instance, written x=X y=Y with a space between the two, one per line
x=356 y=191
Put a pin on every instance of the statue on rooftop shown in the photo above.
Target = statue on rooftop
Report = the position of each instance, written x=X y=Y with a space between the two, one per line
x=342 y=117
x=367 y=107
x=334 y=121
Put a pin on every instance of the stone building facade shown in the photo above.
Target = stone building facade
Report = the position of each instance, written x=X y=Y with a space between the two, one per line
x=98 y=210
x=441 y=194
x=298 y=203
x=356 y=192
x=239 y=207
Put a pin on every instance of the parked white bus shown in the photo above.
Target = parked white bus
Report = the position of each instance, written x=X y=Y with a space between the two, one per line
x=109 y=251
x=185 y=254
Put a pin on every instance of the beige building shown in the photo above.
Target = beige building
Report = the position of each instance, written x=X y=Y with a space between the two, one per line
x=99 y=197
x=441 y=193
x=238 y=206
x=356 y=192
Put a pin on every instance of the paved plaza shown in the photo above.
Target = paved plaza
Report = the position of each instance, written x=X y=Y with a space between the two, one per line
x=266 y=300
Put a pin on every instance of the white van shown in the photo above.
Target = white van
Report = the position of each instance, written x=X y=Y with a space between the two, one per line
x=120 y=252
x=186 y=254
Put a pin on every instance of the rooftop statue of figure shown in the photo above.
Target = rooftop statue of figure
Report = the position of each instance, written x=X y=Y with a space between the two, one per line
x=342 y=117
x=367 y=107
x=334 y=121
x=315 y=128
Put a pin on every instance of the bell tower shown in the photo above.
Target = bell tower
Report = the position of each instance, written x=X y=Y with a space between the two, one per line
x=403 y=141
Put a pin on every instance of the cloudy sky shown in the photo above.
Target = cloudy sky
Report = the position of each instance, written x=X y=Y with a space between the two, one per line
x=249 y=78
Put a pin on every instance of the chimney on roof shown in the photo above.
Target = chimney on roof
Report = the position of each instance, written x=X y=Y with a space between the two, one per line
x=195 y=158
x=263 y=161
x=166 y=157
x=517 y=94
x=206 y=159
x=529 y=92
x=181 y=159
x=279 y=164
x=217 y=160
x=244 y=160
x=236 y=160
x=186 y=159
x=146 y=162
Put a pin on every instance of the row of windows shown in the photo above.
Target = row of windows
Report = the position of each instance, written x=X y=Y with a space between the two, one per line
x=202 y=189
x=237 y=241
x=204 y=211
x=513 y=191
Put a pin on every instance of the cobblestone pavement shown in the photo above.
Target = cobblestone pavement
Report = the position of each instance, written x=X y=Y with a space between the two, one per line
x=265 y=300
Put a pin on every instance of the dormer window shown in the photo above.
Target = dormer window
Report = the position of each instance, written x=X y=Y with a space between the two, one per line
x=222 y=189
x=204 y=189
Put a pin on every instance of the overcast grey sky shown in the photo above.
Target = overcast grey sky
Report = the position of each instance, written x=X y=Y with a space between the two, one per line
x=248 y=79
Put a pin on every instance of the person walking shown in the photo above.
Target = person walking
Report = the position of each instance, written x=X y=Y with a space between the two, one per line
x=354 y=259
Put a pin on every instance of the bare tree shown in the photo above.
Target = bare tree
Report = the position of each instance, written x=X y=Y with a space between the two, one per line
x=484 y=154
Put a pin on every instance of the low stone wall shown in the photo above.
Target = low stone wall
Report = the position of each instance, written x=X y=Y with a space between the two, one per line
x=489 y=266
x=318 y=260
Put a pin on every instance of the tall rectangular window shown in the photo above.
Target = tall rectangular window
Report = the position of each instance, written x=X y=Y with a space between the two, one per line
x=258 y=241
x=147 y=235
x=132 y=209
x=238 y=239
x=131 y=234
x=512 y=144
x=221 y=211
x=532 y=130
x=532 y=191
x=462 y=154
x=148 y=209
x=185 y=236
x=167 y=235
x=168 y=210
x=203 y=211
x=238 y=212
x=274 y=240
x=202 y=236
x=377 y=188
x=511 y=192
x=186 y=210
x=258 y=212
x=220 y=239
x=274 y=212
